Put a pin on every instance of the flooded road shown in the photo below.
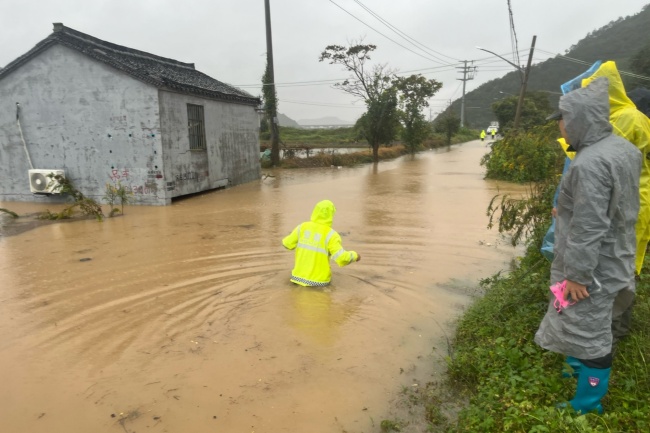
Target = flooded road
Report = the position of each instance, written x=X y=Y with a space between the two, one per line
x=183 y=319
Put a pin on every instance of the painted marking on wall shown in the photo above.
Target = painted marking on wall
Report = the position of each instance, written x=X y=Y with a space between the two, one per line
x=190 y=175
x=144 y=189
x=119 y=174
x=154 y=174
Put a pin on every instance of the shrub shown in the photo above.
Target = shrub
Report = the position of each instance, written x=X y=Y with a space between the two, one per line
x=525 y=156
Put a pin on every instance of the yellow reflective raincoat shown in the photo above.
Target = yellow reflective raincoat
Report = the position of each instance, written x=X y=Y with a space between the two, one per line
x=315 y=241
x=634 y=126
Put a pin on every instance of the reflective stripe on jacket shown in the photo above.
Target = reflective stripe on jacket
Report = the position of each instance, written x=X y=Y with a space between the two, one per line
x=315 y=242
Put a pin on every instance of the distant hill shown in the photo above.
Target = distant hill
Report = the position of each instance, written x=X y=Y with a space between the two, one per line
x=324 y=121
x=287 y=121
x=619 y=41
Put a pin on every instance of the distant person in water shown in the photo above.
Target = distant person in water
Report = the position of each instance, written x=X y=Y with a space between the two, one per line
x=482 y=134
x=315 y=242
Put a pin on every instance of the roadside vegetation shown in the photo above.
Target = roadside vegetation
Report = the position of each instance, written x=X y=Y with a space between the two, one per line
x=320 y=147
x=7 y=211
x=513 y=384
x=87 y=206
x=321 y=137
x=497 y=375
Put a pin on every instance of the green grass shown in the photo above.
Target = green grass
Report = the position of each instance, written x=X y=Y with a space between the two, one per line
x=346 y=137
x=498 y=379
x=336 y=137
x=513 y=384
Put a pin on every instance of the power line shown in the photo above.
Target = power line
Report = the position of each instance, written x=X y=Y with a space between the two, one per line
x=444 y=68
x=392 y=40
x=404 y=36
x=583 y=62
x=320 y=104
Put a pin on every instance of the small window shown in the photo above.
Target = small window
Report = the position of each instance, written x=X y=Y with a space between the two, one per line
x=196 y=127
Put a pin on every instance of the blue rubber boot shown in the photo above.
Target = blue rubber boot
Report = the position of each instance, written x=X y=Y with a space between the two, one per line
x=575 y=364
x=592 y=387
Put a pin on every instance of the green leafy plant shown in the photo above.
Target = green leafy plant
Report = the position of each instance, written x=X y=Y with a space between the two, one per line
x=530 y=156
x=117 y=193
x=389 y=425
x=525 y=219
x=7 y=211
x=86 y=205
x=63 y=215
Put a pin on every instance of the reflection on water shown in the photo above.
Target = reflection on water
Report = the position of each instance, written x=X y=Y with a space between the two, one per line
x=316 y=316
x=182 y=318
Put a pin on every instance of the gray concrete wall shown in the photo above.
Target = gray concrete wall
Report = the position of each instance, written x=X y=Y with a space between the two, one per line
x=102 y=126
x=79 y=115
x=231 y=156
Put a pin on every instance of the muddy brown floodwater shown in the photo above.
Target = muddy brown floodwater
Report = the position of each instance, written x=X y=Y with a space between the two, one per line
x=183 y=319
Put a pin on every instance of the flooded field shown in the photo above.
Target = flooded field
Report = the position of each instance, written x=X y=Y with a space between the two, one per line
x=183 y=319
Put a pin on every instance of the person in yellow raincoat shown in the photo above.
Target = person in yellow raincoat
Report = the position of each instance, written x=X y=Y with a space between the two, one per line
x=630 y=123
x=482 y=134
x=315 y=242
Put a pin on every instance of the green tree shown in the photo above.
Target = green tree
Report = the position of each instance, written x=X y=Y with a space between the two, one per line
x=414 y=93
x=380 y=122
x=448 y=124
x=533 y=113
x=640 y=64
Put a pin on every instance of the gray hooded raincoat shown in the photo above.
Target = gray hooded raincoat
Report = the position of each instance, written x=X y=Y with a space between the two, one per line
x=595 y=227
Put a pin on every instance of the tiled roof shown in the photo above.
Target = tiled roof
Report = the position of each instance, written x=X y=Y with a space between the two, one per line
x=158 y=71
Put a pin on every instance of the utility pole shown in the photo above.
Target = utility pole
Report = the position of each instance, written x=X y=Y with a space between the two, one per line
x=468 y=74
x=524 y=83
x=273 y=112
x=523 y=76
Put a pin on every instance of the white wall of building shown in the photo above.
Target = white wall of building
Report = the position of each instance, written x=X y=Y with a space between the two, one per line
x=102 y=126
x=231 y=156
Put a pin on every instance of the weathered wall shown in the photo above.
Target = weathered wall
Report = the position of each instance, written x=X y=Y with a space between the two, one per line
x=96 y=123
x=231 y=156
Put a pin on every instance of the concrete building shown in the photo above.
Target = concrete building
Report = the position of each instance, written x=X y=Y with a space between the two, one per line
x=104 y=113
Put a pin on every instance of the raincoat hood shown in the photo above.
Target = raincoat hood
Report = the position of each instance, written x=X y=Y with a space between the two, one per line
x=323 y=213
x=618 y=99
x=586 y=114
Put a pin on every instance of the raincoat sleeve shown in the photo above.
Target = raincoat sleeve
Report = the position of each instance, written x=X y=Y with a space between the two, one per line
x=591 y=190
x=290 y=242
x=338 y=253
x=635 y=127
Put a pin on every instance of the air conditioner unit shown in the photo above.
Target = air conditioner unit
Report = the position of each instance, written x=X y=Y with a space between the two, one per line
x=40 y=183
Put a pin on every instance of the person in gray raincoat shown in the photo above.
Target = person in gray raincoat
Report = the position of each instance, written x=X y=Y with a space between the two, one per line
x=595 y=241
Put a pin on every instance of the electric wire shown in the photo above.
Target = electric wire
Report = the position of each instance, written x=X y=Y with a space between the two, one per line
x=390 y=39
x=583 y=62
x=321 y=104
x=443 y=68
x=406 y=37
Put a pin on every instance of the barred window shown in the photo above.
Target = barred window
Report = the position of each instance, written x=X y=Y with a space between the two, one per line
x=196 y=126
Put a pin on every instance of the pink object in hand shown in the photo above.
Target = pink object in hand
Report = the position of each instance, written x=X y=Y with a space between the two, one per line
x=558 y=290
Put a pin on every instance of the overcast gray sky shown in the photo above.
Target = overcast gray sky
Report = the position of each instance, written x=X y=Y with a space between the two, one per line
x=226 y=38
